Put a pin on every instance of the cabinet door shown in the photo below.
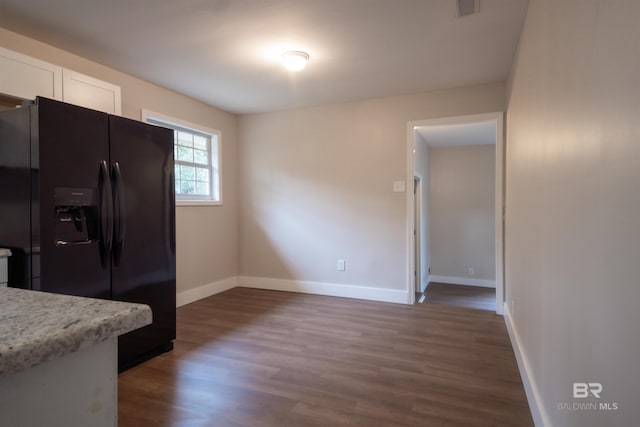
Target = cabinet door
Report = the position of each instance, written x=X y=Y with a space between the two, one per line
x=24 y=77
x=80 y=89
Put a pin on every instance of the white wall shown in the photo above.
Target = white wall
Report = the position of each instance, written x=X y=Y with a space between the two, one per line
x=206 y=236
x=422 y=169
x=462 y=212
x=573 y=206
x=316 y=186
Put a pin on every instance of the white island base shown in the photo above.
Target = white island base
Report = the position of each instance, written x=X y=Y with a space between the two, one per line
x=58 y=358
x=78 y=389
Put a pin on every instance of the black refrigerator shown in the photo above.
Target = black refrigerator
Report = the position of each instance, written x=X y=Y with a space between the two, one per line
x=87 y=208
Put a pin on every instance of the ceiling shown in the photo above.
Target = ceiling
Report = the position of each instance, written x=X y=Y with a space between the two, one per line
x=227 y=52
x=473 y=133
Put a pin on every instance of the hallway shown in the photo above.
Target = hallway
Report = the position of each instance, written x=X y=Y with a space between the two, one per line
x=477 y=297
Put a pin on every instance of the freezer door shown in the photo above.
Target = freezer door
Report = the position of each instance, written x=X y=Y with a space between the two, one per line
x=70 y=194
x=144 y=262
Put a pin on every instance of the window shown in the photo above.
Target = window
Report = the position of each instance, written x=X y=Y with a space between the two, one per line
x=195 y=174
x=197 y=160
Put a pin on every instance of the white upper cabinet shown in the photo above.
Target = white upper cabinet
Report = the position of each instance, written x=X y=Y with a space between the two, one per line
x=24 y=77
x=86 y=91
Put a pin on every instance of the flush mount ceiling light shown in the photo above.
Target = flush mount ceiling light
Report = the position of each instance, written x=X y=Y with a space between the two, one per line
x=295 y=60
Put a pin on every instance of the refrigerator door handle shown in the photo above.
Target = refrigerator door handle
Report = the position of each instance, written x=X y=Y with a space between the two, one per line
x=120 y=222
x=172 y=203
x=106 y=214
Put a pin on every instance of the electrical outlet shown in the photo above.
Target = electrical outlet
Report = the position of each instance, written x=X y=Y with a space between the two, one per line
x=469 y=271
x=342 y=265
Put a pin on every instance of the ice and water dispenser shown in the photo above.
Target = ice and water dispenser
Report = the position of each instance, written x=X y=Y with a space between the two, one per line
x=76 y=211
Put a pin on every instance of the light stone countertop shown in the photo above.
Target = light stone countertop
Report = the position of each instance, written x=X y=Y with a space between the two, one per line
x=36 y=327
x=5 y=252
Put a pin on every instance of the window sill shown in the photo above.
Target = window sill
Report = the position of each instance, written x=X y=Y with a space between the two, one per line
x=181 y=203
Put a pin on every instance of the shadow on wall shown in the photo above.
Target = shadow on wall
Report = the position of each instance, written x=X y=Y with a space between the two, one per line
x=297 y=229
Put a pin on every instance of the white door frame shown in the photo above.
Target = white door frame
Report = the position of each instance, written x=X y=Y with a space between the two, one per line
x=496 y=118
x=417 y=229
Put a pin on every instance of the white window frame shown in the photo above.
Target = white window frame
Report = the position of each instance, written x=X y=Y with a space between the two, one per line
x=216 y=162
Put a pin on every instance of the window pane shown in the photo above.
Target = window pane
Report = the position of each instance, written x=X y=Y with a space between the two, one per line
x=178 y=186
x=185 y=154
x=185 y=139
x=187 y=187
x=202 y=175
x=200 y=142
x=200 y=157
x=202 y=188
x=187 y=173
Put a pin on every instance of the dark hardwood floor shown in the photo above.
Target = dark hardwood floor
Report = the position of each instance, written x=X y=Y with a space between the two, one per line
x=461 y=296
x=257 y=358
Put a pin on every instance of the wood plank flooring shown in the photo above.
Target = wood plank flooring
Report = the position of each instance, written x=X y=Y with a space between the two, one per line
x=256 y=358
x=461 y=296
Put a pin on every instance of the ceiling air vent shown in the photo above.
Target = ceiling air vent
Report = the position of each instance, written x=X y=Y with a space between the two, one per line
x=467 y=7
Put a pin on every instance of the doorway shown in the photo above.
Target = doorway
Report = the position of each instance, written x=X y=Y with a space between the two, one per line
x=492 y=126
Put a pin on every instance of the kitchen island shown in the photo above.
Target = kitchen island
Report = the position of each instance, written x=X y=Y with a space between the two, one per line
x=58 y=357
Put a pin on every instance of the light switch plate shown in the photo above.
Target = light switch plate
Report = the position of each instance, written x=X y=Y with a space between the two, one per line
x=398 y=186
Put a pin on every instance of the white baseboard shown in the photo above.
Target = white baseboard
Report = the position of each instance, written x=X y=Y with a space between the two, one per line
x=466 y=281
x=538 y=413
x=330 y=289
x=186 y=297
